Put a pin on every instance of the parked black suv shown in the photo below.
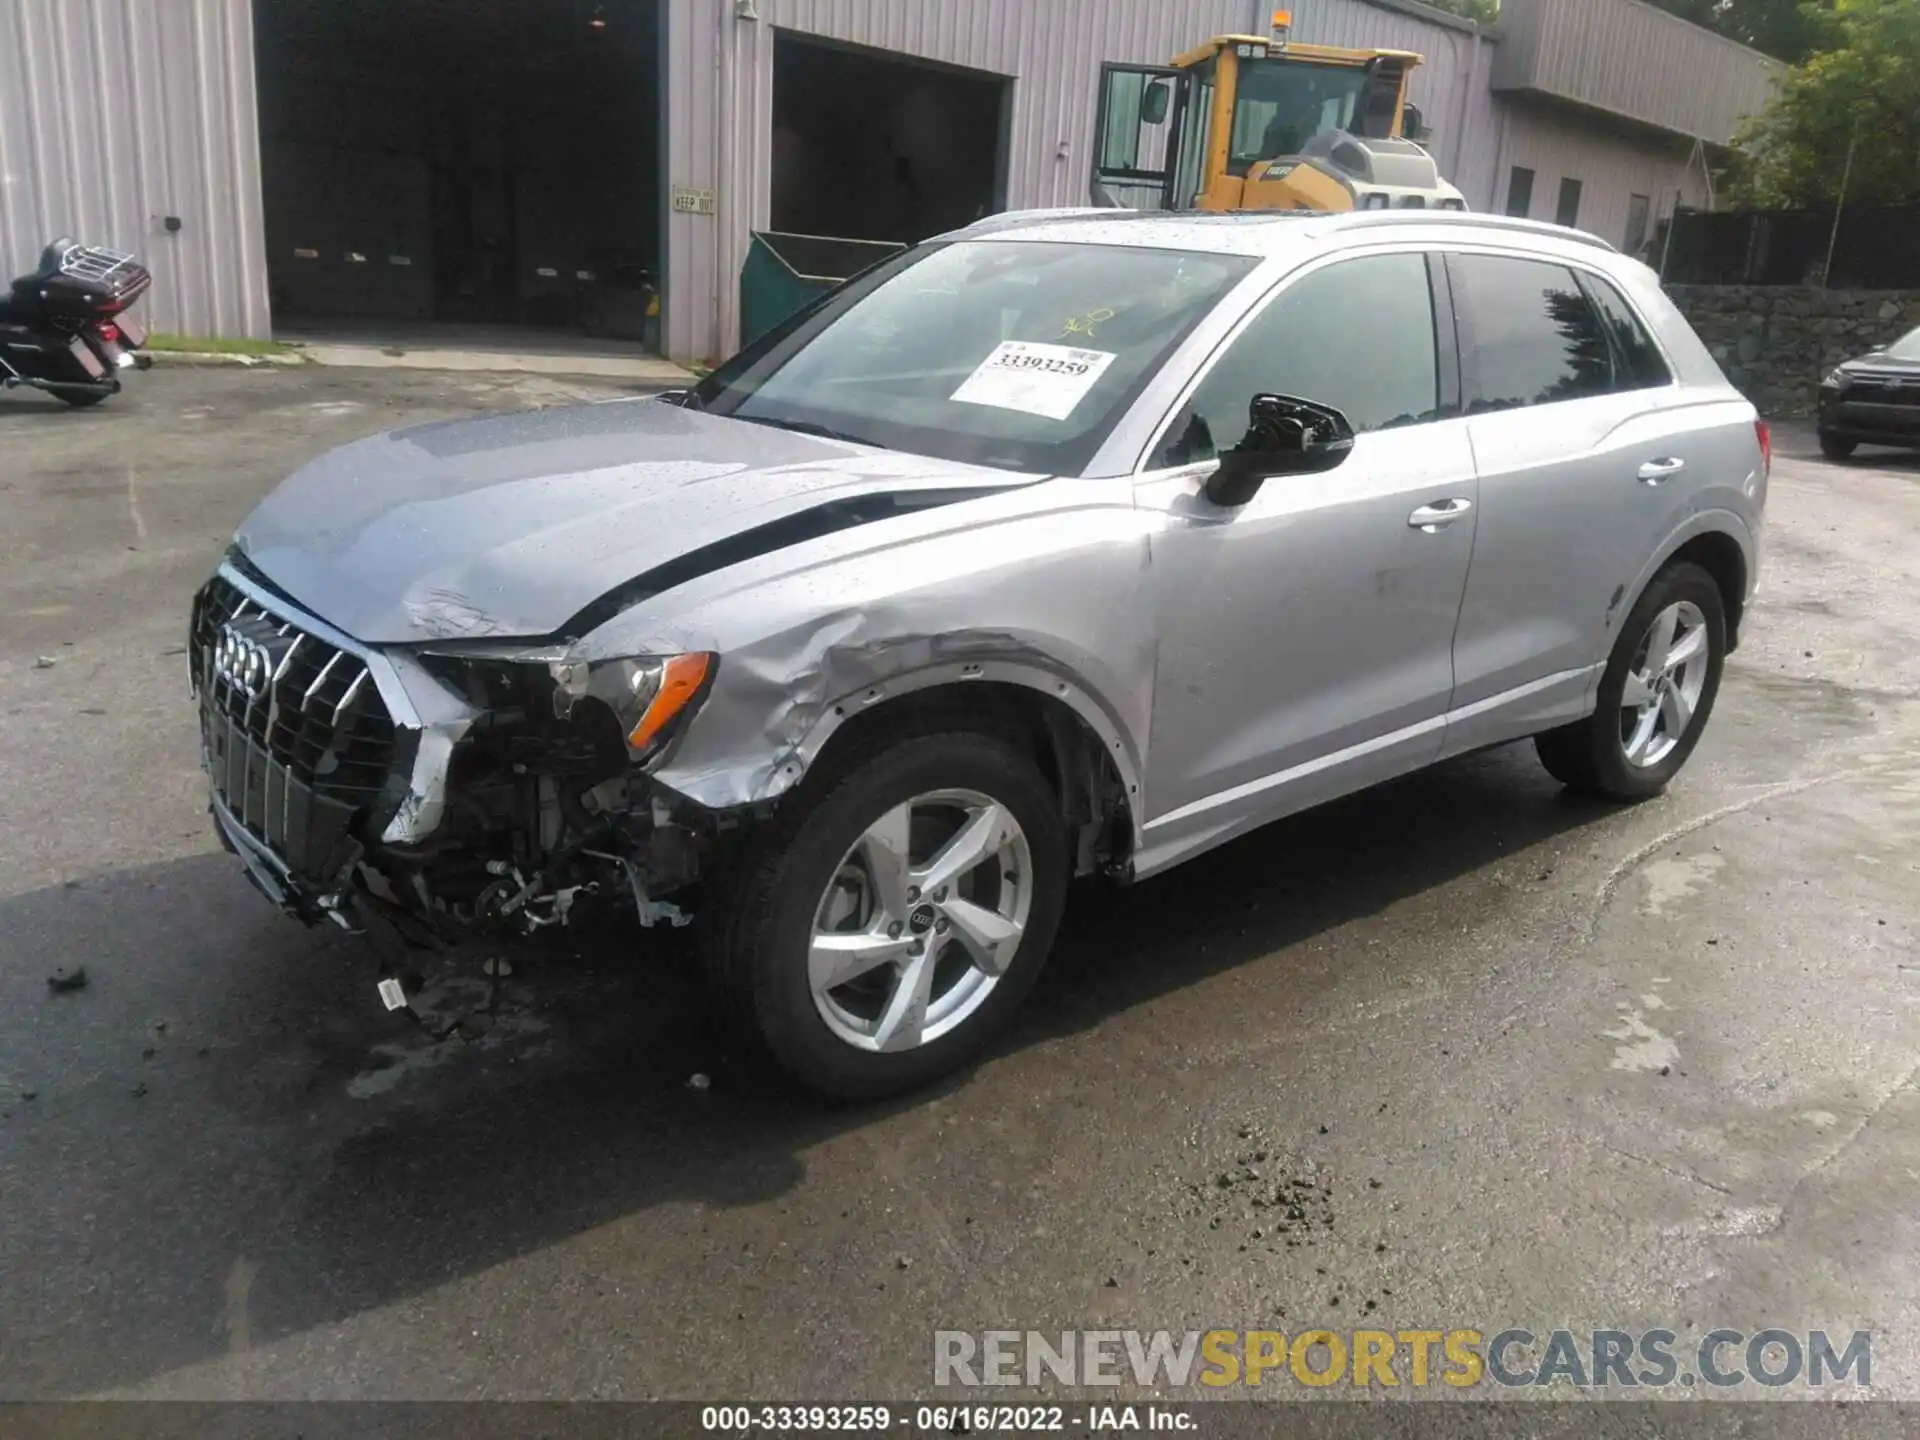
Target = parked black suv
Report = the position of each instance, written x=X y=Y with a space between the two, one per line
x=1874 y=400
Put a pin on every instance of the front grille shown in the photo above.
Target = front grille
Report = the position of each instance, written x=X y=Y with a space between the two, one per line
x=297 y=738
x=1884 y=390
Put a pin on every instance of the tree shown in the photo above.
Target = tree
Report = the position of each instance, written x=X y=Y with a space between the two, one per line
x=1859 y=92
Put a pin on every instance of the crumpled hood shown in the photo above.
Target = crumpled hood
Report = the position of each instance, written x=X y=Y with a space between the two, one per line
x=509 y=525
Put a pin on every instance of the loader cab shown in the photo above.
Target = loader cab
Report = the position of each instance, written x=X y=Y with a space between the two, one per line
x=1220 y=128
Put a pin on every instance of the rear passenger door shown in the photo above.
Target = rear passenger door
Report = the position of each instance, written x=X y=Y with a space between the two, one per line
x=1582 y=459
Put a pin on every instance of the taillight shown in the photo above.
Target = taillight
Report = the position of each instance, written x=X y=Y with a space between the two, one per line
x=108 y=331
x=1765 y=433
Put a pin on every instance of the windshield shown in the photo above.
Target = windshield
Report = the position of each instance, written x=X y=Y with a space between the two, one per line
x=1907 y=347
x=1015 y=354
x=1283 y=104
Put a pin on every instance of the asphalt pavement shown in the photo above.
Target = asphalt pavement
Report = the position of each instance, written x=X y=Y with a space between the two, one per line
x=1543 y=1063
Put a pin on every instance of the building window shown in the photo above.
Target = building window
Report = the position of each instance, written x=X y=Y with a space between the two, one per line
x=1520 y=191
x=1639 y=212
x=1568 y=212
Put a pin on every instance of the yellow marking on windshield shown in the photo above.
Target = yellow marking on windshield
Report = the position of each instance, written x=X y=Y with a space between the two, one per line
x=1085 y=324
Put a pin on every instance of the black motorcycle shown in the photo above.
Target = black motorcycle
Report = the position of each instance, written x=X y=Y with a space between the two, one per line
x=65 y=328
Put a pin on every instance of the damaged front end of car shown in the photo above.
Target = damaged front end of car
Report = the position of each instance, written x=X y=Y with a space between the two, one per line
x=436 y=792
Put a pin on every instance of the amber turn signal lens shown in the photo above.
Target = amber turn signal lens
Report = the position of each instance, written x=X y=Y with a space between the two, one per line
x=679 y=683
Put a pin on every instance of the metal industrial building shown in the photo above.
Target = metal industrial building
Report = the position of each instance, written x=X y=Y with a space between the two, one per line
x=493 y=160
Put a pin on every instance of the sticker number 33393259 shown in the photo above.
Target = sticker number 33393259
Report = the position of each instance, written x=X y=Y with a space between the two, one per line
x=1035 y=378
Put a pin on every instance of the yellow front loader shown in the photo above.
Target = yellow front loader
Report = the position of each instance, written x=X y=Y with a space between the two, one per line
x=1243 y=123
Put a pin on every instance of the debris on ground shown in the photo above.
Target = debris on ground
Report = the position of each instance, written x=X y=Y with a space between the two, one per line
x=139 y=1089
x=45 y=662
x=698 y=1081
x=1291 y=1199
x=64 y=980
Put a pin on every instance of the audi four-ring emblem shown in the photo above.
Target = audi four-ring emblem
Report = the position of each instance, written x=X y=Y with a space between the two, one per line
x=241 y=662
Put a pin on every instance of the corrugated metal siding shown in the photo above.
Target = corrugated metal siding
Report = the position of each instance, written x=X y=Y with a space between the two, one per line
x=1631 y=59
x=720 y=101
x=1611 y=169
x=115 y=113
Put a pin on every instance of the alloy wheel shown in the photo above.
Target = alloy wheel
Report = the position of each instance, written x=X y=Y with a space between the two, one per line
x=922 y=918
x=1664 y=685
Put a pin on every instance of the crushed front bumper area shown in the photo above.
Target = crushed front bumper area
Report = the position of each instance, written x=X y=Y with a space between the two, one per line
x=271 y=876
x=354 y=782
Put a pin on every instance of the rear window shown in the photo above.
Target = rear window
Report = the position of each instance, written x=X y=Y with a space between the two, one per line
x=1016 y=354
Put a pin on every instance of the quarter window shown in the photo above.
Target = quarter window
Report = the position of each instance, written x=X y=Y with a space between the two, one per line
x=1637 y=361
x=1532 y=337
x=1358 y=335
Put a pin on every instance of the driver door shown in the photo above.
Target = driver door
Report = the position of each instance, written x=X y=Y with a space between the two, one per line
x=1305 y=639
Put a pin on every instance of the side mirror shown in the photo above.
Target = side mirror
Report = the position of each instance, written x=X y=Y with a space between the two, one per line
x=1153 y=103
x=1285 y=436
x=1413 y=124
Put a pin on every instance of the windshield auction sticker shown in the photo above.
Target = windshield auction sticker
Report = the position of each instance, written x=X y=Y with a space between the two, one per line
x=1039 y=379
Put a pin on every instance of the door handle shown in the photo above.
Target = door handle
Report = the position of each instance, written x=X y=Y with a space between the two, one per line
x=1438 y=516
x=1654 y=471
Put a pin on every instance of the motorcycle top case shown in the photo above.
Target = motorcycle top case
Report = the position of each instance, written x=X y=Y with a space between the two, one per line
x=71 y=298
x=78 y=282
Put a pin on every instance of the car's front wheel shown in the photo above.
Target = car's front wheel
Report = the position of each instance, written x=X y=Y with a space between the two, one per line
x=1834 y=448
x=883 y=930
x=1655 y=695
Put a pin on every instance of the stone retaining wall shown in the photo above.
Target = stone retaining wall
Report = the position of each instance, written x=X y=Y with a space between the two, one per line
x=1776 y=341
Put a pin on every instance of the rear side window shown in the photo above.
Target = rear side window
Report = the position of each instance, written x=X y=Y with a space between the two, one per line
x=1529 y=335
x=1638 y=364
x=1357 y=335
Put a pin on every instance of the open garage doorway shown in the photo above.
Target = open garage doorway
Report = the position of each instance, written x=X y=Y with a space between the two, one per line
x=871 y=145
x=493 y=165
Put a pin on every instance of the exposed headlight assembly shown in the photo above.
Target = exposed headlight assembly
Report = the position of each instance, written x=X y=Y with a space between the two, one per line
x=1836 y=380
x=648 y=694
x=649 y=697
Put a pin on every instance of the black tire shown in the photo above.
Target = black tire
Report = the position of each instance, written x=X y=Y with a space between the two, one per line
x=760 y=920
x=1834 y=448
x=80 y=400
x=1590 y=756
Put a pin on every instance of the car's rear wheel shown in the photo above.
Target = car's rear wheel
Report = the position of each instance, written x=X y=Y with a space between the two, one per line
x=1655 y=695
x=883 y=930
x=1834 y=448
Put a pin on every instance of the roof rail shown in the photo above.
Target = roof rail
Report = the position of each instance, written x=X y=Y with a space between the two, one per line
x=1010 y=219
x=1366 y=219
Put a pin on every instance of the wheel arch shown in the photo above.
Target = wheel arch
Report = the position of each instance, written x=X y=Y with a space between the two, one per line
x=1079 y=748
x=1719 y=542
